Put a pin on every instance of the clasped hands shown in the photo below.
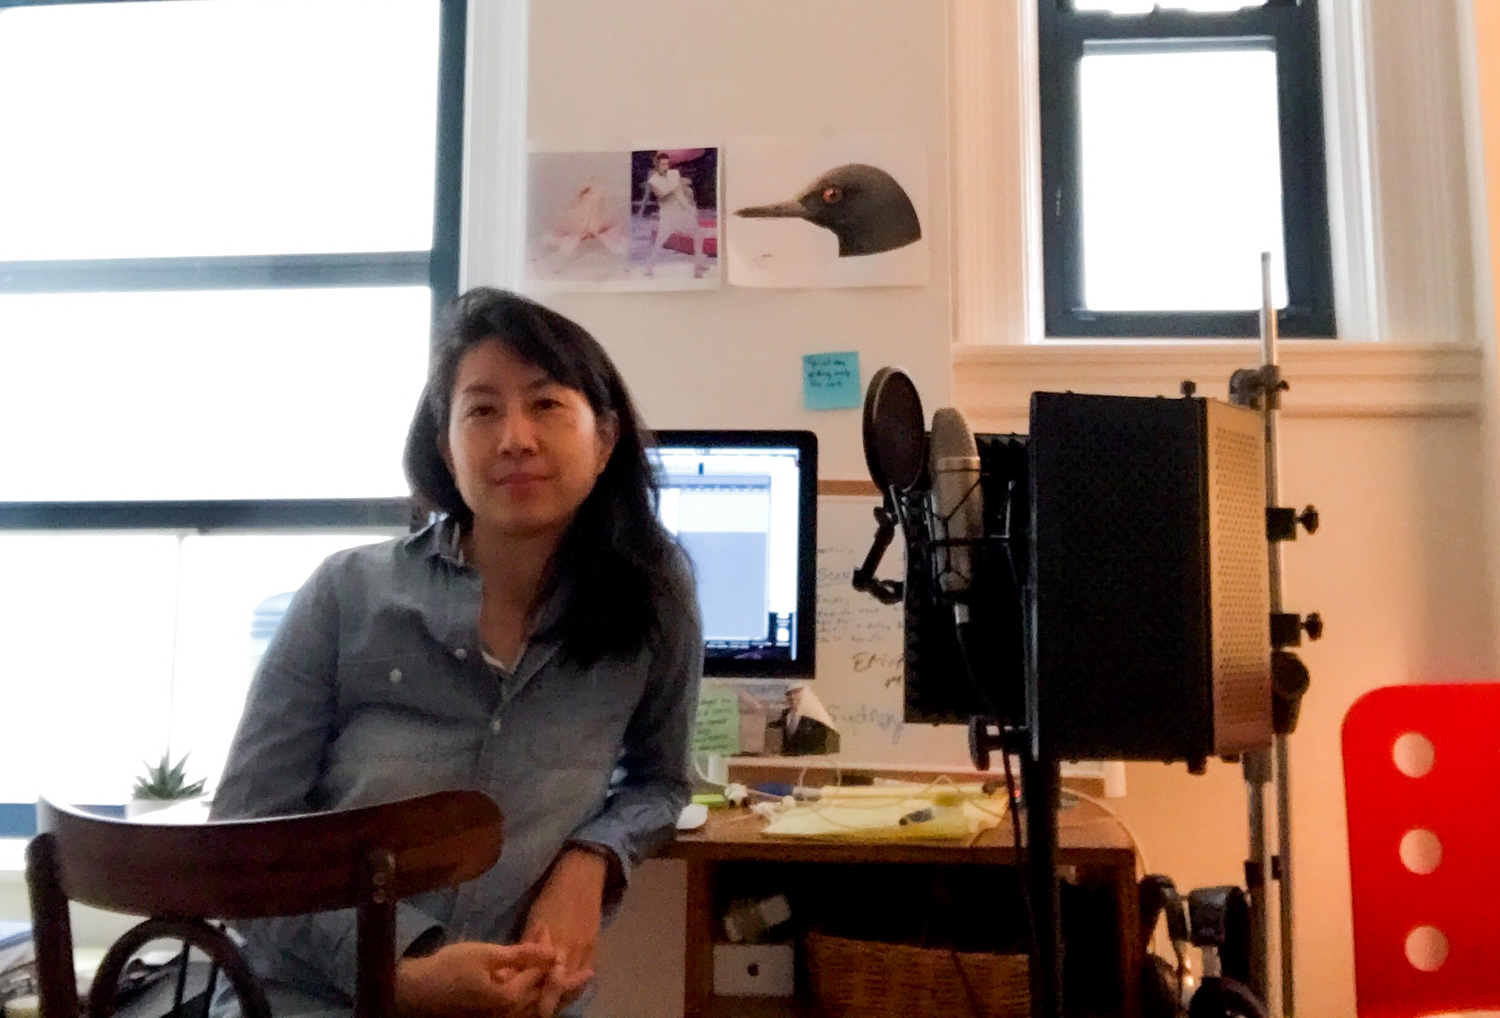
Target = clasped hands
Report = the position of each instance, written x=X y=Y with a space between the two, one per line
x=532 y=979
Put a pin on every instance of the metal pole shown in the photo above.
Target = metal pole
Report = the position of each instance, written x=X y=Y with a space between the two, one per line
x=1284 y=848
x=1257 y=768
x=1270 y=408
x=1041 y=784
x=1257 y=764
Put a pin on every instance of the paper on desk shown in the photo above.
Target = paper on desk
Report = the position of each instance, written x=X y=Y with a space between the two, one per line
x=878 y=821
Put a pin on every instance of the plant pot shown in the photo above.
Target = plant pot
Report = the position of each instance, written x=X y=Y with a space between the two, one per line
x=140 y=807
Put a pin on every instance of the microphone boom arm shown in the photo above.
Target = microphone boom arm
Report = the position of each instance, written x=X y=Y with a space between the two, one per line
x=884 y=591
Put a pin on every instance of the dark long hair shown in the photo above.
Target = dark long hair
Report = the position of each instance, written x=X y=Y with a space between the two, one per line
x=617 y=567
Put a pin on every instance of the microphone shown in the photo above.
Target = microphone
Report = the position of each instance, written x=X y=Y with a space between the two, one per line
x=895 y=452
x=957 y=506
x=964 y=649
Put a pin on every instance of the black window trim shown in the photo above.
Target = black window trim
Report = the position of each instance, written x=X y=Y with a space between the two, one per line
x=438 y=270
x=1292 y=27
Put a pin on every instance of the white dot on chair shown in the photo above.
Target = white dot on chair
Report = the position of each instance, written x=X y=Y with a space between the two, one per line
x=395 y=675
x=1426 y=948
x=1421 y=851
x=460 y=653
x=1413 y=755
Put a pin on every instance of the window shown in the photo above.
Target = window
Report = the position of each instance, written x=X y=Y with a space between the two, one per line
x=225 y=226
x=1179 y=141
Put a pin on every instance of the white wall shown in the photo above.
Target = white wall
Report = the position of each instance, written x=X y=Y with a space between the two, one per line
x=605 y=74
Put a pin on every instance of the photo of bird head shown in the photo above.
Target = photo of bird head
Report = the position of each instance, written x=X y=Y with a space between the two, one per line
x=861 y=205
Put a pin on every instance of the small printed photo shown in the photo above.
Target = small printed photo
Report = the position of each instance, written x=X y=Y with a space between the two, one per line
x=578 y=220
x=785 y=719
x=674 y=218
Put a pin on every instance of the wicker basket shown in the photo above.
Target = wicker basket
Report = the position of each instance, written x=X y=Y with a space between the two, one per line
x=868 y=979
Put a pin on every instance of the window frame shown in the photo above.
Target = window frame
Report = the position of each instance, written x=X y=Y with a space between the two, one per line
x=1292 y=26
x=437 y=269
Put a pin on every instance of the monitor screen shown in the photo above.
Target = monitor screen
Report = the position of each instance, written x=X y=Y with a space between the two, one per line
x=743 y=504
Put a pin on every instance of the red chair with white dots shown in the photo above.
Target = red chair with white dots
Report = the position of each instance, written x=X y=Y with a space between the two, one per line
x=1422 y=793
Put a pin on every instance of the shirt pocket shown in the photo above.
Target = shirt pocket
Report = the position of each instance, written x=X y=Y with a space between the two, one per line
x=401 y=708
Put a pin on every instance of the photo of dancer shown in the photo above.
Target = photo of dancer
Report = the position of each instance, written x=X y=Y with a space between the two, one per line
x=674 y=221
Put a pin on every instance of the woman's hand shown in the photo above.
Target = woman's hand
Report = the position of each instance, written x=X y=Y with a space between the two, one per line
x=474 y=979
x=565 y=918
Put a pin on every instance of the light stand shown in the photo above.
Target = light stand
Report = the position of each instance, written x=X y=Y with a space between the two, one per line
x=1261 y=389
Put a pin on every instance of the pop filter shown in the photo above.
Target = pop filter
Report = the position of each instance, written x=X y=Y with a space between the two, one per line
x=894 y=432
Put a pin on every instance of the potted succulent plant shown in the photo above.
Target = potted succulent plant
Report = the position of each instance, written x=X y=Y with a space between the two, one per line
x=162 y=785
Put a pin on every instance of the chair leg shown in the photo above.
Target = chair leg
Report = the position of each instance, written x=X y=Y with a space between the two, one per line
x=375 y=933
x=182 y=971
x=53 y=931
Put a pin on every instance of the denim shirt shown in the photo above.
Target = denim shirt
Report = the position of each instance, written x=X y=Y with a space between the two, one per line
x=375 y=688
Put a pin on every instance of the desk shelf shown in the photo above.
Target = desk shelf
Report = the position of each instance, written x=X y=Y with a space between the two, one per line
x=1094 y=852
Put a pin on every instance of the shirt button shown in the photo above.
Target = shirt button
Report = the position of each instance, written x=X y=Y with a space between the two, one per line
x=495 y=726
x=460 y=653
x=395 y=675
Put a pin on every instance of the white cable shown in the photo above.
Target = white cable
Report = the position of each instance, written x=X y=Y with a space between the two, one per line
x=1135 y=843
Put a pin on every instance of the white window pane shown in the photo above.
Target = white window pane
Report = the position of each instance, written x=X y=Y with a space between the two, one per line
x=238 y=394
x=1146 y=6
x=212 y=127
x=233 y=591
x=86 y=645
x=1181 y=178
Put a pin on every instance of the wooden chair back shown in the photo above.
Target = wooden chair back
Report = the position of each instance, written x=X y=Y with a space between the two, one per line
x=366 y=858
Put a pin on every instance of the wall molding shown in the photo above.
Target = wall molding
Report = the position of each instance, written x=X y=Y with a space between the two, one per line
x=494 y=199
x=996 y=166
x=993 y=385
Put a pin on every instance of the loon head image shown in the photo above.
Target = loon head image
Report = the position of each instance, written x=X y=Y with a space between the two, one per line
x=862 y=205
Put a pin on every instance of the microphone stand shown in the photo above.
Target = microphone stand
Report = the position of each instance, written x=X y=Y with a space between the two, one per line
x=1041 y=791
x=1261 y=389
x=1041 y=786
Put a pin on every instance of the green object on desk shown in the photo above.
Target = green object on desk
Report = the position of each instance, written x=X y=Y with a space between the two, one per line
x=713 y=800
x=717 y=728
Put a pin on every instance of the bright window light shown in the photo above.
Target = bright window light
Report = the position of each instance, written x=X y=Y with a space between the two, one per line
x=228 y=394
x=217 y=127
x=234 y=589
x=154 y=652
x=86 y=626
x=1181 y=180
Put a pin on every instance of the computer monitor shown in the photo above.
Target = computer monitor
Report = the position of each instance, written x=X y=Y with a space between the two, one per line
x=744 y=505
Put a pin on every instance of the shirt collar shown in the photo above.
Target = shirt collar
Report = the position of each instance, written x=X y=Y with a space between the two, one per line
x=440 y=539
x=444 y=539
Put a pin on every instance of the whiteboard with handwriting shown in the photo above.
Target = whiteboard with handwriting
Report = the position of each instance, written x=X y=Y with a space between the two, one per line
x=859 y=666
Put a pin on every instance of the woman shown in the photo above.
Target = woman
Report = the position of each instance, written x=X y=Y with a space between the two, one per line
x=539 y=638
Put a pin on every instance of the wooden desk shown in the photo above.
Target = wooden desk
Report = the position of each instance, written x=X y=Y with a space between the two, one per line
x=1094 y=851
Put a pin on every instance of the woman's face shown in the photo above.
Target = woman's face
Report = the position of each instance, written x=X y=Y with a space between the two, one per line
x=524 y=450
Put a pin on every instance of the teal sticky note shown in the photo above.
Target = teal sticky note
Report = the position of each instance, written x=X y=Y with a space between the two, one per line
x=830 y=381
x=717 y=728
